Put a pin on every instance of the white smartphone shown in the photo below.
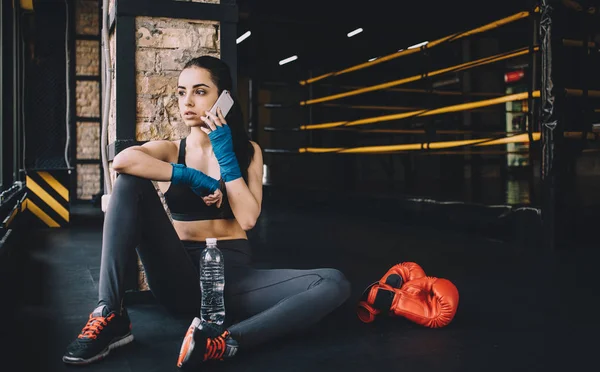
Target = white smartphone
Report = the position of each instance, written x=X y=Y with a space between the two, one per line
x=224 y=102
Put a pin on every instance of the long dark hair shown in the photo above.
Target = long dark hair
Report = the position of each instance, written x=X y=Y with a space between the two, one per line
x=221 y=76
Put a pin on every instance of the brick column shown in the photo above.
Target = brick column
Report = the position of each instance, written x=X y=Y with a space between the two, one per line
x=163 y=46
x=87 y=100
x=150 y=41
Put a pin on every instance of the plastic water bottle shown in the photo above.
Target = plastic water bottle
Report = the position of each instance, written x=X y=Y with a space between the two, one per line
x=212 y=283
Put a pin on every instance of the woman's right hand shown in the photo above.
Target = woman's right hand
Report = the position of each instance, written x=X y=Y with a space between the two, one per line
x=200 y=183
x=214 y=198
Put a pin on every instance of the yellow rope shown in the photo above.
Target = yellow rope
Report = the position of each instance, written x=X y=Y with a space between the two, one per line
x=428 y=91
x=462 y=66
x=449 y=38
x=367 y=107
x=579 y=93
x=577 y=43
x=454 y=108
x=519 y=138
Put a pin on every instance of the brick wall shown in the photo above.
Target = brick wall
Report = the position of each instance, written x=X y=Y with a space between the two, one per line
x=87 y=52
x=88 y=180
x=87 y=103
x=163 y=46
x=88 y=138
x=88 y=99
x=86 y=17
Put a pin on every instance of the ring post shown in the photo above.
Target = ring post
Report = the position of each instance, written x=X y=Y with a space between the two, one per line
x=551 y=124
x=532 y=104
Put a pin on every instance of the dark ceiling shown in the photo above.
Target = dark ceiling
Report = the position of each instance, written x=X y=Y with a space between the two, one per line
x=315 y=30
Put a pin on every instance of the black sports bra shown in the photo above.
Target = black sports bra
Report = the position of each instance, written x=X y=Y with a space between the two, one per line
x=187 y=206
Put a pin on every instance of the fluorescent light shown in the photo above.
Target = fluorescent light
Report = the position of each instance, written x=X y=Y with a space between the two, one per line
x=372 y=59
x=418 y=45
x=443 y=83
x=287 y=60
x=243 y=37
x=355 y=32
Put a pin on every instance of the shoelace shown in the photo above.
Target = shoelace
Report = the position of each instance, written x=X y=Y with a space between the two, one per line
x=94 y=326
x=215 y=347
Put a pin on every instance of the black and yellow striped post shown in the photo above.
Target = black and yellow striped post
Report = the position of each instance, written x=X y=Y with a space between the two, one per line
x=48 y=197
x=7 y=222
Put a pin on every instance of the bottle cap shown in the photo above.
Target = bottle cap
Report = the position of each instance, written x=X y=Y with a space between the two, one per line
x=212 y=241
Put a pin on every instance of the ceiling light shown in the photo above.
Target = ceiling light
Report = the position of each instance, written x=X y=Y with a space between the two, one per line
x=287 y=60
x=443 y=83
x=418 y=45
x=355 y=32
x=243 y=37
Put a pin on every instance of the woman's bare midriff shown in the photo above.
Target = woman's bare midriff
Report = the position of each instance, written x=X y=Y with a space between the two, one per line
x=200 y=230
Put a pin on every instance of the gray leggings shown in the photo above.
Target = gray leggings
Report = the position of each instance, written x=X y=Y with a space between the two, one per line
x=260 y=304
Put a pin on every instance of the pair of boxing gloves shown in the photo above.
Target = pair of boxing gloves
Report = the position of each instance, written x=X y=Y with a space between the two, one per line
x=405 y=291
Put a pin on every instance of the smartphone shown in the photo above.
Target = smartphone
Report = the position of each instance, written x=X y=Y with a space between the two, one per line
x=224 y=102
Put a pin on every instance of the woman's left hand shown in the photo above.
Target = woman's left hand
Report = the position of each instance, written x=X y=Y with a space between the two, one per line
x=214 y=198
x=213 y=121
x=221 y=139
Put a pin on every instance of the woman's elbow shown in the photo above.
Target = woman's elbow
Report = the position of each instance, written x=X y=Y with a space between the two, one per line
x=248 y=223
x=119 y=163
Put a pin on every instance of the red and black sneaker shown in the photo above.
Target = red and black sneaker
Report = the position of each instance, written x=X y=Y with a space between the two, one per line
x=203 y=342
x=104 y=331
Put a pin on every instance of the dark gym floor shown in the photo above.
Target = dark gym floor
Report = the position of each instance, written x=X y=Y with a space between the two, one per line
x=522 y=308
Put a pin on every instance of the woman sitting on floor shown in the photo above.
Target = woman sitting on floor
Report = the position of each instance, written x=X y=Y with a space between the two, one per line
x=212 y=182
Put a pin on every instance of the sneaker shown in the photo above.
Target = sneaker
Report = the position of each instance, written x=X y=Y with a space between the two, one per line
x=106 y=330
x=203 y=342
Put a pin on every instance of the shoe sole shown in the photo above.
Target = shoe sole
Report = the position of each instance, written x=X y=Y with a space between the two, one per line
x=113 y=345
x=188 y=343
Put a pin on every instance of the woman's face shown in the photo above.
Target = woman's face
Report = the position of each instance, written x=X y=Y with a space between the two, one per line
x=196 y=93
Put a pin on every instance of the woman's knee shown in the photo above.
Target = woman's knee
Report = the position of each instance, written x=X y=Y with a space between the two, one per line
x=127 y=182
x=337 y=279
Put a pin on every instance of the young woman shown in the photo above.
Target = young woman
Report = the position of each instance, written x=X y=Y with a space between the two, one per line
x=212 y=183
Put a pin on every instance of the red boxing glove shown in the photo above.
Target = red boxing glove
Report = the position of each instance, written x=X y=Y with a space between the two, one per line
x=428 y=301
x=402 y=273
x=395 y=278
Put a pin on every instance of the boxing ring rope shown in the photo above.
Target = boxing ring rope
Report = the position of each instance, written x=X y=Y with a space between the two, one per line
x=519 y=138
x=387 y=149
x=428 y=91
x=272 y=105
x=456 y=68
x=540 y=120
x=590 y=135
x=404 y=108
x=442 y=110
x=366 y=107
x=275 y=105
x=487 y=152
x=451 y=132
x=449 y=38
x=447 y=109
x=579 y=93
x=427 y=112
x=577 y=43
x=403 y=131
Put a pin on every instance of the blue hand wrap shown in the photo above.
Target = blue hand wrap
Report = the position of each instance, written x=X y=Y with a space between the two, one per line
x=200 y=183
x=223 y=148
